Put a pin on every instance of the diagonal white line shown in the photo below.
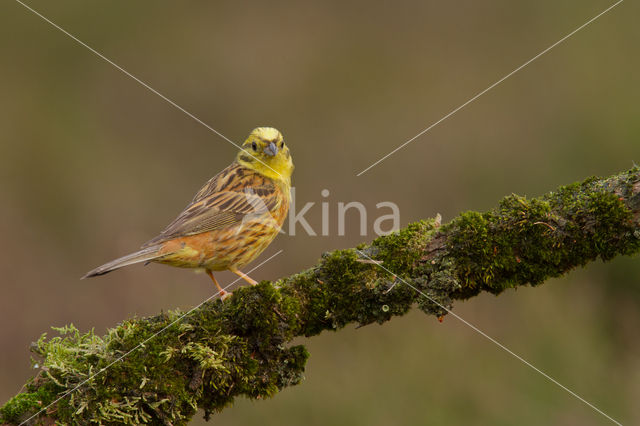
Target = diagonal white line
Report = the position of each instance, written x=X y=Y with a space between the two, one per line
x=491 y=339
x=142 y=83
x=141 y=344
x=490 y=87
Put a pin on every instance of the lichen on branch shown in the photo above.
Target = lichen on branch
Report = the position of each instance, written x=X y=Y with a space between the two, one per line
x=242 y=346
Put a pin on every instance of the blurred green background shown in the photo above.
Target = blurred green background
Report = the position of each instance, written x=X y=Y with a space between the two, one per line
x=92 y=165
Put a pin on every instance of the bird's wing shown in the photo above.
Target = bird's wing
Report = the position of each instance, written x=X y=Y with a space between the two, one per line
x=222 y=209
x=233 y=178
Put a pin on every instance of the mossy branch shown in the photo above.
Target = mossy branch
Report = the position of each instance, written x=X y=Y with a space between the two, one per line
x=241 y=346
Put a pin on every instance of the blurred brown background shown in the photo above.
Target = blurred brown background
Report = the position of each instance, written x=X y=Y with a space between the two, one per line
x=92 y=165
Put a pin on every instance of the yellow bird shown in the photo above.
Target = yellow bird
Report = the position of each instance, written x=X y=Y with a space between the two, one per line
x=233 y=217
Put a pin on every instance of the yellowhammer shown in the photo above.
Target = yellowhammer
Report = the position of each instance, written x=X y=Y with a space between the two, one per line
x=233 y=217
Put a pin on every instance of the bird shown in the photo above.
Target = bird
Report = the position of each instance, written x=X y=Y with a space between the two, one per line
x=231 y=219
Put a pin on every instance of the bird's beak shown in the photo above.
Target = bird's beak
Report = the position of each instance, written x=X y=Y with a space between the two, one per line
x=271 y=149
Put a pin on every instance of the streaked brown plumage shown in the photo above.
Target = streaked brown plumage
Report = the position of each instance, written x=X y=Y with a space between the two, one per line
x=232 y=218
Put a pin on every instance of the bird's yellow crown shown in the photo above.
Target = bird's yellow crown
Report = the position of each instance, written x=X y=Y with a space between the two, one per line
x=265 y=152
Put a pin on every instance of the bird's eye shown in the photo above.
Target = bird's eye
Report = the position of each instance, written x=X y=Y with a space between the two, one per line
x=254 y=146
x=281 y=144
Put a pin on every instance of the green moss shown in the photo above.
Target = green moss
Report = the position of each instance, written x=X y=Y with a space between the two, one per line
x=187 y=366
x=401 y=250
x=439 y=287
x=23 y=405
x=528 y=241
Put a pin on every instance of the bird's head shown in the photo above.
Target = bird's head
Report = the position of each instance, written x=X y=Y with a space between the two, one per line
x=265 y=152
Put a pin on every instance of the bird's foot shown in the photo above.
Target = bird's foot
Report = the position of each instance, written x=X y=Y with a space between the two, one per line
x=244 y=276
x=224 y=295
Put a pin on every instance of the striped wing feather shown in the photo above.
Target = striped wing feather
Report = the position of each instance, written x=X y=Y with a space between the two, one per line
x=222 y=202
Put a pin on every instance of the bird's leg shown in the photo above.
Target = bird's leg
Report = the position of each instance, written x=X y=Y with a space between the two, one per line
x=223 y=293
x=244 y=276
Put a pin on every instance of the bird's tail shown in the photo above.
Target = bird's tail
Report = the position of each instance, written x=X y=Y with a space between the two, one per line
x=144 y=255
